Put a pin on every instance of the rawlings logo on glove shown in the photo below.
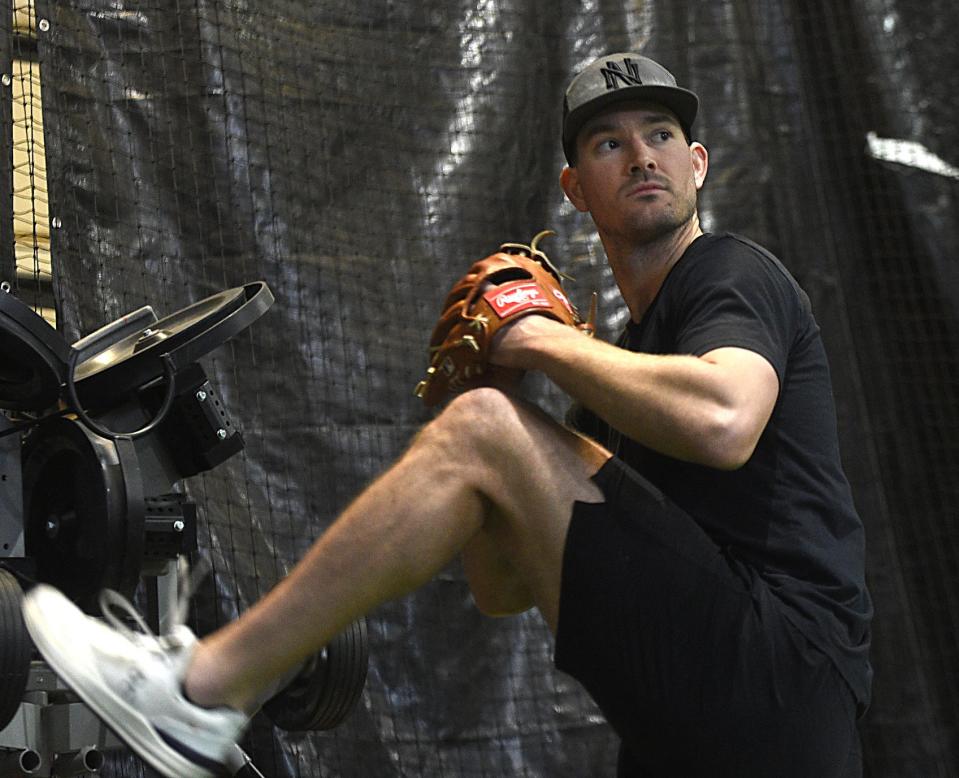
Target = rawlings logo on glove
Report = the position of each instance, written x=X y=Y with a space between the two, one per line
x=517 y=281
x=516 y=297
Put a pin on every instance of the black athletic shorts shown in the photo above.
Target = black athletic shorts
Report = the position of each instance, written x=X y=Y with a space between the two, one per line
x=687 y=654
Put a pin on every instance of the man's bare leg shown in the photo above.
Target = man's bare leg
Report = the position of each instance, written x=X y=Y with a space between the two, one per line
x=489 y=474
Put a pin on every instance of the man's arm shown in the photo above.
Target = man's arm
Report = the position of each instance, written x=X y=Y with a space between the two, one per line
x=710 y=409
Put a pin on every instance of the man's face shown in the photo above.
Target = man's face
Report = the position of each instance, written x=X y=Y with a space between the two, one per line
x=635 y=173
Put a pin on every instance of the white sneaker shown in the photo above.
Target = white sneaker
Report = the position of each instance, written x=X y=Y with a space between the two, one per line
x=133 y=681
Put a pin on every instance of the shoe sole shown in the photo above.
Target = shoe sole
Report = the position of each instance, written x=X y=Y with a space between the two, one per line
x=129 y=726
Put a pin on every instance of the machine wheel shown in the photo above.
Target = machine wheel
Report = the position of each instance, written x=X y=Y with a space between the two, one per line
x=328 y=687
x=83 y=511
x=16 y=649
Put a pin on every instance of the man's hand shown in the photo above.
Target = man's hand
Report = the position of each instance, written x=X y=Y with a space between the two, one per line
x=511 y=345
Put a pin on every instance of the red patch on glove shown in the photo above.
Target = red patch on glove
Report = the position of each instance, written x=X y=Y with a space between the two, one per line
x=514 y=297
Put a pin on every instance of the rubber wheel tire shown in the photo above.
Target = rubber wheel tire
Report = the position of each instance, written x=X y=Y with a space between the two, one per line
x=16 y=649
x=325 y=692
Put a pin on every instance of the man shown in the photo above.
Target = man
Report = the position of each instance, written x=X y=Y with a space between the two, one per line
x=696 y=552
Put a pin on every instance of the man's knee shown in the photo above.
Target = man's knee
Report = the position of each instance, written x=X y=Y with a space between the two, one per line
x=479 y=417
x=472 y=435
x=505 y=432
x=478 y=405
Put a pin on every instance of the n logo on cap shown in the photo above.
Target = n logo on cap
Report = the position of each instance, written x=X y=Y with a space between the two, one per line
x=613 y=74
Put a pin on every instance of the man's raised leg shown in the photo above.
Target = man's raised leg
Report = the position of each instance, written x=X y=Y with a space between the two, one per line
x=490 y=476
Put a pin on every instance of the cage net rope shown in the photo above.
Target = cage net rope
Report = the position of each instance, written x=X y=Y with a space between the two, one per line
x=356 y=156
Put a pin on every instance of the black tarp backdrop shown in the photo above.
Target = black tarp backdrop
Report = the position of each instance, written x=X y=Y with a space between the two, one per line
x=357 y=155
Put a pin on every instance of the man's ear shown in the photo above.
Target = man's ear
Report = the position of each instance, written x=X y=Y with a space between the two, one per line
x=700 y=158
x=569 y=180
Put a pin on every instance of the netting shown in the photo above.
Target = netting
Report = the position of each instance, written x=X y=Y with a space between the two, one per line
x=356 y=155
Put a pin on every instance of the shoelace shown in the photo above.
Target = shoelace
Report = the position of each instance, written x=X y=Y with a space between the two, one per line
x=111 y=601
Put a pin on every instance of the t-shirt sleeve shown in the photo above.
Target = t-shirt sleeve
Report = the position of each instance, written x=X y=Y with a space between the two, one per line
x=738 y=297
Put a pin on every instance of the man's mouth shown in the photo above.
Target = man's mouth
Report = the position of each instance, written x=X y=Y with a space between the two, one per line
x=648 y=187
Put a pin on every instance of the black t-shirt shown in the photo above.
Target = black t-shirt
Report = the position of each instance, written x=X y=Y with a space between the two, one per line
x=788 y=513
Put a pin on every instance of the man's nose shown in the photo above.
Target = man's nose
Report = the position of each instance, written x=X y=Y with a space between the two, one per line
x=641 y=159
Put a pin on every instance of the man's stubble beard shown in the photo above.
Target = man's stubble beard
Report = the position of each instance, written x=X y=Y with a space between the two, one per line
x=644 y=231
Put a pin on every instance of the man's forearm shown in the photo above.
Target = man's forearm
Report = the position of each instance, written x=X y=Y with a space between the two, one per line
x=690 y=408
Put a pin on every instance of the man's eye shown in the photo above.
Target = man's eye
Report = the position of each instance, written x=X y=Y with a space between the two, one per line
x=609 y=144
x=664 y=135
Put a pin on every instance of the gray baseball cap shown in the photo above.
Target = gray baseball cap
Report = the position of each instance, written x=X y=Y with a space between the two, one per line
x=622 y=76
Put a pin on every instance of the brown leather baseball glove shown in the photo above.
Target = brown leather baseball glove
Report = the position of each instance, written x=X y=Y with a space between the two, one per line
x=516 y=281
